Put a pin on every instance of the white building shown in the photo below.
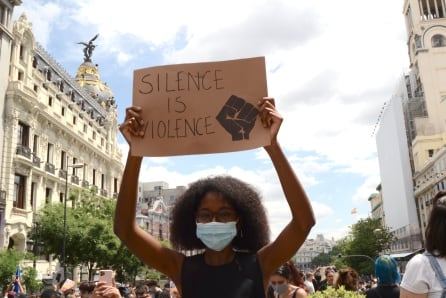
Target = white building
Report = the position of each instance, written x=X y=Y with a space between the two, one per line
x=396 y=177
x=52 y=122
x=312 y=248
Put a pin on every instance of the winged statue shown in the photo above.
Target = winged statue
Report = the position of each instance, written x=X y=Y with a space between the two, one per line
x=89 y=47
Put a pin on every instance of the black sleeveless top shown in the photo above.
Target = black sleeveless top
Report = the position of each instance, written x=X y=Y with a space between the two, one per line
x=242 y=278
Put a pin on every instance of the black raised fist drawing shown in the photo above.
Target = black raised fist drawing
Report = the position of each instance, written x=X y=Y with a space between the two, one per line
x=238 y=117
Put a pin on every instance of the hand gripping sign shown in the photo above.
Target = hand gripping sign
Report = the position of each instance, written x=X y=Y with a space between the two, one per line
x=200 y=108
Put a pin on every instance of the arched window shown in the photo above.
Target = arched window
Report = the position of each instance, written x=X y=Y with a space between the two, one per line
x=438 y=40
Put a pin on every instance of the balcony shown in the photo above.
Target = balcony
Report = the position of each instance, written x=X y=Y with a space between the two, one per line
x=23 y=150
x=104 y=192
x=36 y=161
x=75 y=180
x=62 y=173
x=50 y=168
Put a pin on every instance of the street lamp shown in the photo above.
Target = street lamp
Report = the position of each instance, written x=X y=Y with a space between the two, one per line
x=64 y=242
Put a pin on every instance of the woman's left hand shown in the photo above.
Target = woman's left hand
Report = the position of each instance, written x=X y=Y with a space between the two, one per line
x=270 y=117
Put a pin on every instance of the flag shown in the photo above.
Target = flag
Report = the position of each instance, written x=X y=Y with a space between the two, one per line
x=354 y=211
x=18 y=274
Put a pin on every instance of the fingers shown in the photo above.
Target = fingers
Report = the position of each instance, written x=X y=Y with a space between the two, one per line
x=268 y=112
x=133 y=123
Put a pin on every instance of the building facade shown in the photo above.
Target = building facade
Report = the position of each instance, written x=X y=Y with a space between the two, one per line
x=155 y=201
x=60 y=133
x=6 y=39
x=312 y=248
x=421 y=105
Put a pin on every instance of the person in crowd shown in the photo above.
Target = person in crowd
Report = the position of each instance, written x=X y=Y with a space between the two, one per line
x=86 y=289
x=104 y=290
x=142 y=291
x=281 y=284
x=222 y=216
x=317 y=281
x=50 y=293
x=328 y=281
x=421 y=278
x=154 y=289
x=349 y=278
x=174 y=293
x=386 y=270
x=309 y=282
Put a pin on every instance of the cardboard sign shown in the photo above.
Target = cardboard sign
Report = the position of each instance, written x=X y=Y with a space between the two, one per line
x=200 y=108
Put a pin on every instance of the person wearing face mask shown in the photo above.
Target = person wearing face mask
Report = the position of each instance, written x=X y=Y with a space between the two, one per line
x=221 y=216
x=281 y=285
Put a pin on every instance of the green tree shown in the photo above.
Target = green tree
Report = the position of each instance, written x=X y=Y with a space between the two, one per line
x=90 y=239
x=9 y=260
x=30 y=281
x=366 y=240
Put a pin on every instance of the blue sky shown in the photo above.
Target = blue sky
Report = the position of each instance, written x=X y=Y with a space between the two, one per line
x=331 y=65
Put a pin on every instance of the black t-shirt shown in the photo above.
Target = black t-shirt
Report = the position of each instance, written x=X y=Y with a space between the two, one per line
x=242 y=278
x=383 y=292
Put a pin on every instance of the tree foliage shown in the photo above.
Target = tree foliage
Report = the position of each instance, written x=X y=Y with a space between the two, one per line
x=90 y=240
x=9 y=260
x=331 y=292
x=30 y=281
x=366 y=240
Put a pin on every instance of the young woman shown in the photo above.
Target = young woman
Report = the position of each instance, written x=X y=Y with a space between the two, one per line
x=386 y=269
x=282 y=284
x=222 y=215
x=420 y=279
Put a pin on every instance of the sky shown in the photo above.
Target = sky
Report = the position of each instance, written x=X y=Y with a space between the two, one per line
x=331 y=66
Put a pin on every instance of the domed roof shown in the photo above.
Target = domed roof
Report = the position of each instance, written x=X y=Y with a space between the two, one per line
x=88 y=78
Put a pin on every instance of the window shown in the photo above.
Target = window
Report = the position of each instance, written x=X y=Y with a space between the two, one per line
x=85 y=128
x=36 y=145
x=438 y=40
x=74 y=120
x=19 y=191
x=62 y=112
x=50 y=153
x=94 y=176
x=23 y=135
x=50 y=101
x=20 y=76
x=22 y=52
x=33 y=194
x=94 y=135
x=102 y=181
x=63 y=159
x=430 y=152
x=48 y=194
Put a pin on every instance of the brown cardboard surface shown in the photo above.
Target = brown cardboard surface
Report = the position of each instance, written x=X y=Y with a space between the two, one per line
x=199 y=108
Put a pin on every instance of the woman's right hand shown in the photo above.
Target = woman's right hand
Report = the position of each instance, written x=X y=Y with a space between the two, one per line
x=133 y=125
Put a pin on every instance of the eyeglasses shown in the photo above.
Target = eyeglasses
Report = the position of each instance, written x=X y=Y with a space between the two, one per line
x=222 y=216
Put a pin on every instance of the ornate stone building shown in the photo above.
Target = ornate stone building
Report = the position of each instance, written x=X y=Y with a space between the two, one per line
x=60 y=133
x=155 y=200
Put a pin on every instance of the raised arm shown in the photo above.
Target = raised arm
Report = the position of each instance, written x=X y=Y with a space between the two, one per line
x=139 y=242
x=302 y=218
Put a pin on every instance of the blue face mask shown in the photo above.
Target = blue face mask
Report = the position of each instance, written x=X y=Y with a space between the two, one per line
x=281 y=288
x=216 y=235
